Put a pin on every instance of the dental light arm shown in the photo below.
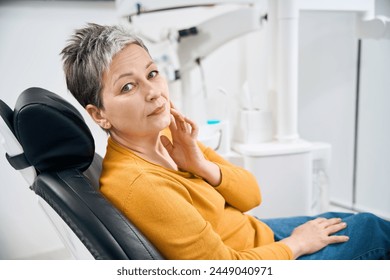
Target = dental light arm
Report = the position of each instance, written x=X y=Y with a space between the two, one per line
x=185 y=47
x=213 y=33
x=134 y=7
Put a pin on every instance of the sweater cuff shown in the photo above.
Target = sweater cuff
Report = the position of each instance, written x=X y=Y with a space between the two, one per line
x=287 y=249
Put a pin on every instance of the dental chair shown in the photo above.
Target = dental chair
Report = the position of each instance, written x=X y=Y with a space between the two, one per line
x=47 y=140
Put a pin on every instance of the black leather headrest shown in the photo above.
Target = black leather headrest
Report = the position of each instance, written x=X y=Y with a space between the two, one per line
x=52 y=132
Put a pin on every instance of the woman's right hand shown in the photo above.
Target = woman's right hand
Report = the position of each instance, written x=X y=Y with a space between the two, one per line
x=314 y=235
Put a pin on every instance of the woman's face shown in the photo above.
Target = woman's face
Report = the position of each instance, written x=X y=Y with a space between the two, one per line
x=135 y=96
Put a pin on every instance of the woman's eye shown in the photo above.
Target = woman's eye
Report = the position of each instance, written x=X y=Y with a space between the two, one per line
x=153 y=74
x=127 y=87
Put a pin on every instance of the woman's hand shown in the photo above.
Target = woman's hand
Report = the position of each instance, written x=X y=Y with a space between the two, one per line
x=314 y=235
x=185 y=151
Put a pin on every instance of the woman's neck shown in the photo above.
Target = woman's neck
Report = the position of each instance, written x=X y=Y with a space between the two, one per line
x=149 y=148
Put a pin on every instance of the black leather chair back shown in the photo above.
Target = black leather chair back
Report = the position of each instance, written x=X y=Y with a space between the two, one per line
x=59 y=144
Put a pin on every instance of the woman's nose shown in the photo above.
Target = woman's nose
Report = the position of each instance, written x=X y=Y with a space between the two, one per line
x=151 y=91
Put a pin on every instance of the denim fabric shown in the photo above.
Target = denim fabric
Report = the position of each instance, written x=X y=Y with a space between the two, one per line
x=369 y=236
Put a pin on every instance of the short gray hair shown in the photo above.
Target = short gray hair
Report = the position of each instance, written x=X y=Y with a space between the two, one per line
x=89 y=54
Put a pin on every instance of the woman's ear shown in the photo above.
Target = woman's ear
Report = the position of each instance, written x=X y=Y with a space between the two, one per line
x=98 y=116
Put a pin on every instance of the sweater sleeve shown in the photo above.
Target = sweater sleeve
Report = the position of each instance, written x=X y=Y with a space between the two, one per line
x=163 y=211
x=239 y=187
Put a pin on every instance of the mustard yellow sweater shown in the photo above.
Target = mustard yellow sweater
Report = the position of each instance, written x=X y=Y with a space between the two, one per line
x=184 y=216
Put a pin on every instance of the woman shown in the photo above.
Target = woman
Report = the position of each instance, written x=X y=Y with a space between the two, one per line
x=187 y=200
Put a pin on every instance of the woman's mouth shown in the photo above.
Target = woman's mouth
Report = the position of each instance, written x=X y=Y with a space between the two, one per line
x=157 y=111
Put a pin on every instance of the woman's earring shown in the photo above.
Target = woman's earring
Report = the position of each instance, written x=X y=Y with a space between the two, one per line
x=106 y=125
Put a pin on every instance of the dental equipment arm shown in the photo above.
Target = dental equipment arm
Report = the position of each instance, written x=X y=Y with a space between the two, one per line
x=213 y=33
x=134 y=7
x=196 y=42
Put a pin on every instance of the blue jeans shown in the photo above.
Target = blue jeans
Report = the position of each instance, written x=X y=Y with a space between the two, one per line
x=369 y=236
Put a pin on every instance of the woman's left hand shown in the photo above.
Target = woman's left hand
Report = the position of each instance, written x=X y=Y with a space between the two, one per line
x=185 y=151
